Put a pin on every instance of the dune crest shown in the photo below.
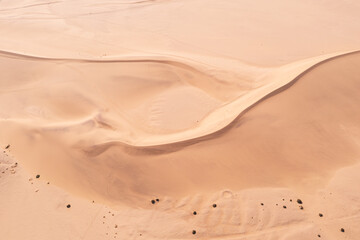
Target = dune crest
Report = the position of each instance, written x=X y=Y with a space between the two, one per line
x=149 y=119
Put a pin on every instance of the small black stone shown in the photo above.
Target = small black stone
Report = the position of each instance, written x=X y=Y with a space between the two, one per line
x=7 y=146
x=214 y=205
x=68 y=206
x=321 y=215
x=194 y=213
x=342 y=230
x=157 y=200
x=299 y=201
x=284 y=206
x=38 y=176
x=262 y=204
x=319 y=235
x=301 y=207
x=153 y=201
x=290 y=200
x=194 y=232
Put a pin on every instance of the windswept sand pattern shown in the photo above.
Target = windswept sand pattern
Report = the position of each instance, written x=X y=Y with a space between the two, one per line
x=179 y=119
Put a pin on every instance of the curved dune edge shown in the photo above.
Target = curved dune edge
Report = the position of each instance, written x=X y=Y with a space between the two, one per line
x=222 y=117
x=216 y=120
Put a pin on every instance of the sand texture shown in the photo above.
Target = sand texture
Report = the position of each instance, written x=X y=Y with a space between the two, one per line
x=179 y=119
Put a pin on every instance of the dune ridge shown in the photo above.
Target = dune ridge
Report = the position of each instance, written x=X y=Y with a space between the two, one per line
x=233 y=122
x=219 y=117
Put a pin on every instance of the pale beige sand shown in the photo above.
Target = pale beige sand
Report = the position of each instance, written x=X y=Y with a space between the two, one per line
x=246 y=104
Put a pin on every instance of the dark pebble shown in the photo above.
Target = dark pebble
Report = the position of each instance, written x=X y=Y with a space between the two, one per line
x=299 y=201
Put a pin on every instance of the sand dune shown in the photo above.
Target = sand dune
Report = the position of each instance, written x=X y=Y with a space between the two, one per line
x=240 y=151
x=131 y=119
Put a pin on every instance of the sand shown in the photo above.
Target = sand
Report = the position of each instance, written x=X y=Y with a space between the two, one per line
x=119 y=119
